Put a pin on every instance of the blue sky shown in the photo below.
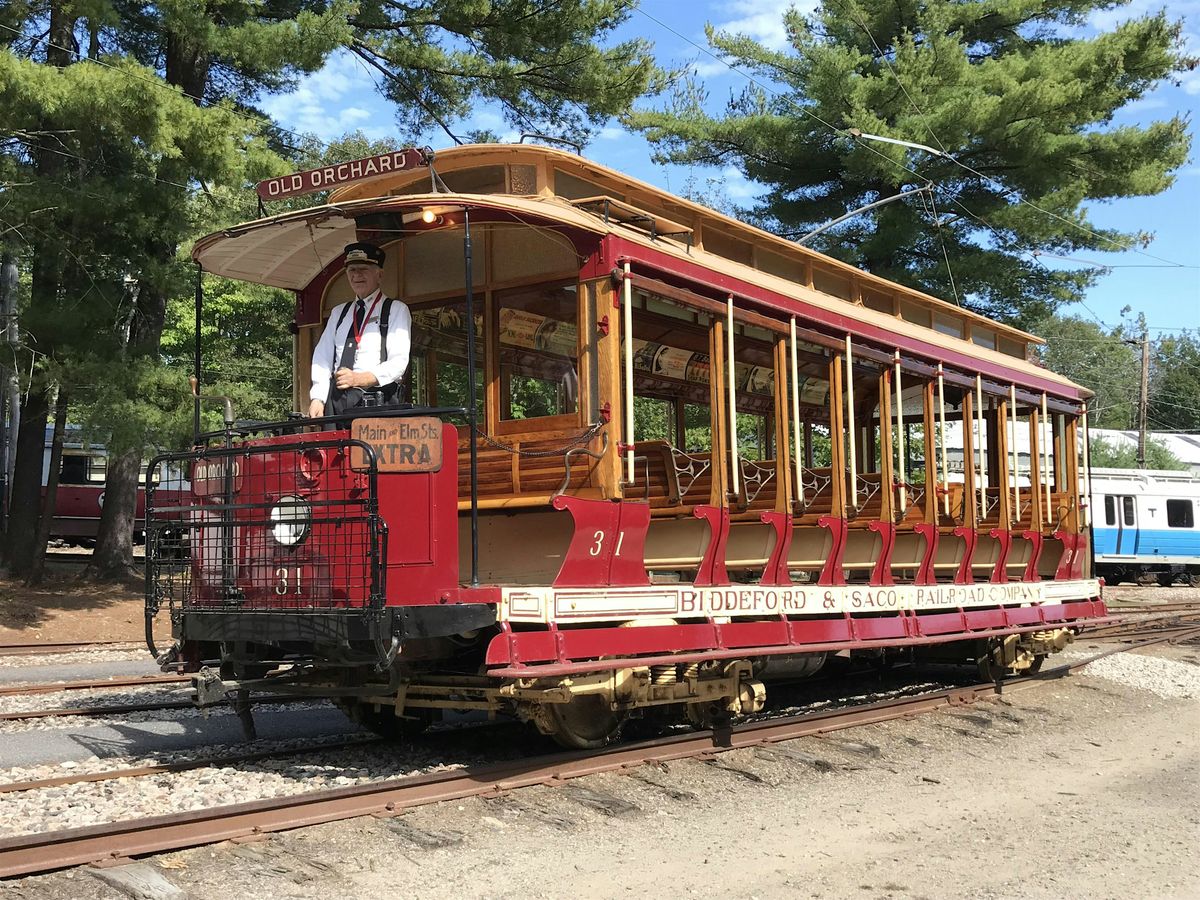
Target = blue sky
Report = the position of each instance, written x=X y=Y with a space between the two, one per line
x=342 y=97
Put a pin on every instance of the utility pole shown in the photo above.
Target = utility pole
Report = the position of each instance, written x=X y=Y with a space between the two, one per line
x=1144 y=400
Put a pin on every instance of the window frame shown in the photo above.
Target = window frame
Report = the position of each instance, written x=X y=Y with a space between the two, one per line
x=1181 y=503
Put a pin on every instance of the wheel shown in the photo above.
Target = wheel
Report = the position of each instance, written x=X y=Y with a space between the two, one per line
x=588 y=722
x=383 y=721
x=1193 y=579
x=1166 y=579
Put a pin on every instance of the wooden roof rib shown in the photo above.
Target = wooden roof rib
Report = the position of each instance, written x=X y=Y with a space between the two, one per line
x=470 y=155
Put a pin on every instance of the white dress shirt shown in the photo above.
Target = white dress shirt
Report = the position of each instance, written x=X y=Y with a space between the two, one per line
x=328 y=351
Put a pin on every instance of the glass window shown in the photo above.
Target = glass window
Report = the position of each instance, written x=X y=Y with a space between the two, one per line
x=983 y=337
x=1110 y=511
x=74 y=470
x=948 y=325
x=1127 y=509
x=754 y=436
x=437 y=375
x=97 y=468
x=539 y=351
x=1179 y=514
x=573 y=188
x=697 y=427
x=654 y=419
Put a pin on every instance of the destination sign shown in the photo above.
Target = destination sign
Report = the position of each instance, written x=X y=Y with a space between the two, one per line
x=327 y=177
x=400 y=445
x=682 y=602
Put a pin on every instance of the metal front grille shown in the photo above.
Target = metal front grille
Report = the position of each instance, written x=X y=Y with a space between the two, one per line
x=273 y=526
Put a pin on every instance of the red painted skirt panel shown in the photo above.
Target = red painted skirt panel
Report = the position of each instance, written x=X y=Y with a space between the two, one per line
x=632 y=646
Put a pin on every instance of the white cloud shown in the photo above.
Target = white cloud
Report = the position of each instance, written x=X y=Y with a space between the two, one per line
x=736 y=186
x=1107 y=19
x=320 y=103
x=611 y=133
x=762 y=20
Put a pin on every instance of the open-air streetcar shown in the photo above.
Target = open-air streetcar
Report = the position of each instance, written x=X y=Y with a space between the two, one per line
x=648 y=458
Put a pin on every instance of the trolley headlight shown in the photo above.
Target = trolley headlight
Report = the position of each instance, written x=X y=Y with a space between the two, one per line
x=290 y=519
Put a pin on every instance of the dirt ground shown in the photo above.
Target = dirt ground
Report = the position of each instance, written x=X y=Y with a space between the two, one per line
x=65 y=608
x=1083 y=787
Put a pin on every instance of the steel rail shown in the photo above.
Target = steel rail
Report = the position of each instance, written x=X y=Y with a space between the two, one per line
x=125 y=709
x=182 y=766
x=66 y=647
x=44 y=852
x=52 y=687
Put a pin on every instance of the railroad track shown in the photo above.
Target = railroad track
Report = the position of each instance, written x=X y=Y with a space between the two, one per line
x=122 y=709
x=66 y=647
x=184 y=766
x=45 y=852
x=55 y=686
x=1145 y=625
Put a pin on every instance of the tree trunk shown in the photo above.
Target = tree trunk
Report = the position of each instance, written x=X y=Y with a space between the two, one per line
x=113 y=557
x=187 y=67
x=25 y=503
x=37 y=566
x=25 y=500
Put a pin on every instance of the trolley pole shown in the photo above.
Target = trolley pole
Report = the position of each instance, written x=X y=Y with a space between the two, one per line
x=472 y=418
x=1143 y=400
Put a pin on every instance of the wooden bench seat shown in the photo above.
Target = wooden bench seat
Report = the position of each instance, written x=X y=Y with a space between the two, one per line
x=672 y=481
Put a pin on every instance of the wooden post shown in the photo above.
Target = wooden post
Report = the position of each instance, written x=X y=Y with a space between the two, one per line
x=887 y=466
x=902 y=467
x=970 y=509
x=931 y=459
x=837 y=437
x=608 y=384
x=1035 y=470
x=945 y=479
x=851 y=436
x=785 y=491
x=998 y=439
x=717 y=419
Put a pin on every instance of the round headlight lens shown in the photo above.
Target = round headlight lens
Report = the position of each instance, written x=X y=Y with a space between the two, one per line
x=290 y=519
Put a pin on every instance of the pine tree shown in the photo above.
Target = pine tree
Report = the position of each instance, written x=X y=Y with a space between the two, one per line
x=1016 y=105
x=127 y=125
x=1175 y=383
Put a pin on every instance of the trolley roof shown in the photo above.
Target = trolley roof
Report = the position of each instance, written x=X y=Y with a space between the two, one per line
x=291 y=249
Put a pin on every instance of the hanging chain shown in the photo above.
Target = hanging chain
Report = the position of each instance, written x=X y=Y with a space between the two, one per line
x=577 y=441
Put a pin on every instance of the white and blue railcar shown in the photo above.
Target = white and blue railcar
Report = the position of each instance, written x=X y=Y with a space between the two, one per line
x=1146 y=525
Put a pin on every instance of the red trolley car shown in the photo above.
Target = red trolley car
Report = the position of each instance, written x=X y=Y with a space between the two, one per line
x=650 y=455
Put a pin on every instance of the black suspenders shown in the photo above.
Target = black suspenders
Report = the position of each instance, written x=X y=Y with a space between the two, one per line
x=384 y=314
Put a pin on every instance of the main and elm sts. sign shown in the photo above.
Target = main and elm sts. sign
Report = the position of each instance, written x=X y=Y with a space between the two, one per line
x=331 y=176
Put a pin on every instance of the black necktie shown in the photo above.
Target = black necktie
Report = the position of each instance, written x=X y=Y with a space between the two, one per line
x=350 y=348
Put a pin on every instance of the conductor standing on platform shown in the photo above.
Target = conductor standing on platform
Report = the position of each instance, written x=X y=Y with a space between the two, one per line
x=363 y=351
